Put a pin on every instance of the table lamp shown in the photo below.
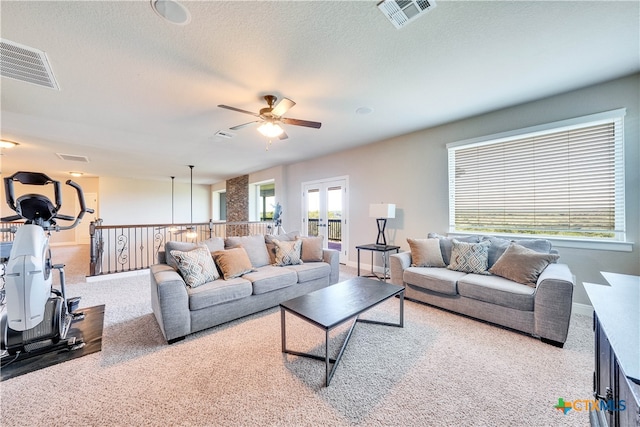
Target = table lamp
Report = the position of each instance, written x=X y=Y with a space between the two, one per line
x=382 y=211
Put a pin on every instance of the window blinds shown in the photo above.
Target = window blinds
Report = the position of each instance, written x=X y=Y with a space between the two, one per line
x=565 y=181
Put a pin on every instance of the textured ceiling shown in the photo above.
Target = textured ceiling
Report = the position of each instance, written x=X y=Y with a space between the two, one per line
x=139 y=96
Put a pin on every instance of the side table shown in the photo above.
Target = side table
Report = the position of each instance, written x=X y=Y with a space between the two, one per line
x=385 y=249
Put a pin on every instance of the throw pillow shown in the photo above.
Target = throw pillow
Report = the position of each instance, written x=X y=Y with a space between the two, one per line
x=288 y=253
x=425 y=253
x=233 y=262
x=271 y=247
x=522 y=265
x=469 y=257
x=254 y=245
x=214 y=244
x=499 y=245
x=311 y=250
x=196 y=266
x=446 y=244
x=177 y=246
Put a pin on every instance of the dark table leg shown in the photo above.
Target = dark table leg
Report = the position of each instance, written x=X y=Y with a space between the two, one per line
x=283 y=334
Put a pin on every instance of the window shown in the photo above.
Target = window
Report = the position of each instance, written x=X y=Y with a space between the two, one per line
x=219 y=205
x=564 y=179
x=262 y=200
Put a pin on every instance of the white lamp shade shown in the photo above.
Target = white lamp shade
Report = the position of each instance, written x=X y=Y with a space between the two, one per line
x=382 y=210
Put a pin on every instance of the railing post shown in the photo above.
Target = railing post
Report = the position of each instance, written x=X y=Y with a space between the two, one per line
x=94 y=248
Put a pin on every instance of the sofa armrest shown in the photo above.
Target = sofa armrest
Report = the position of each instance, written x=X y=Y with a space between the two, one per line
x=553 y=303
x=332 y=257
x=397 y=264
x=170 y=301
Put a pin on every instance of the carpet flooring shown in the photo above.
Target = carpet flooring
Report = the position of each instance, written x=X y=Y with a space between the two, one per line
x=441 y=369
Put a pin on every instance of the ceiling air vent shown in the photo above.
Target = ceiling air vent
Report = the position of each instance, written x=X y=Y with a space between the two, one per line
x=26 y=64
x=225 y=134
x=73 y=158
x=401 y=12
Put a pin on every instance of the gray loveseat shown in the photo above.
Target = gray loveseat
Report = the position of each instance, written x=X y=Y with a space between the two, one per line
x=539 y=305
x=181 y=309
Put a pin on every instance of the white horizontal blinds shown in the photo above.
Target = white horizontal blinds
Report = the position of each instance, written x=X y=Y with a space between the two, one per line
x=553 y=183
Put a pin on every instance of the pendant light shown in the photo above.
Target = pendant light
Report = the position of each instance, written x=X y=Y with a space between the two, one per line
x=173 y=228
x=191 y=234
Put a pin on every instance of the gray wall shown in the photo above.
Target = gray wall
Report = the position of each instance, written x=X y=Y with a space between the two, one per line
x=411 y=171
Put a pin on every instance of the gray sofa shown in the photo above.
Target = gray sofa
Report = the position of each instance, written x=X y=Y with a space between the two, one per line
x=542 y=308
x=181 y=310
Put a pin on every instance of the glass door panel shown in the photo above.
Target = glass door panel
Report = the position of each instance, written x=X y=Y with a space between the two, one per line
x=325 y=214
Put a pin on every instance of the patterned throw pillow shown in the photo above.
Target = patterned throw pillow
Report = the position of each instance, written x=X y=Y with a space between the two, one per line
x=470 y=257
x=196 y=266
x=271 y=247
x=288 y=253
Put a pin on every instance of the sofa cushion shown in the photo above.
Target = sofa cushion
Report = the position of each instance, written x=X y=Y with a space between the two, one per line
x=497 y=290
x=469 y=257
x=254 y=245
x=288 y=253
x=499 y=245
x=271 y=247
x=522 y=265
x=214 y=244
x=269 y=278
x=218 y=292
x=310 y=271
x=434 y=279
x=425 y=253
x=232 y=262
x=196 y=266
x=446 y=244
x=177 y=246
x=311 y=250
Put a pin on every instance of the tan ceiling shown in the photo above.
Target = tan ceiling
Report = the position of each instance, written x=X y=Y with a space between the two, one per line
x=139 y=96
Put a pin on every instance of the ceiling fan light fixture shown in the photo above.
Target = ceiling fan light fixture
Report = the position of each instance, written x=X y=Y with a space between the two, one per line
x=270 y=129
x=5 y=143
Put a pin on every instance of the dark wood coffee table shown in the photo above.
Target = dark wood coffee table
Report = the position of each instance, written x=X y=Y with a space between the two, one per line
x=330 y=307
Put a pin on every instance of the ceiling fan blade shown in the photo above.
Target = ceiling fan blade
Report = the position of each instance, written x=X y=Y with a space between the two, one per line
x=238 y=110
x=283 y=136
x=244 y=125
x=298 y=122
x=282 y=107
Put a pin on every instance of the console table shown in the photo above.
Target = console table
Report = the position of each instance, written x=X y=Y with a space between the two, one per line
x=616 y=322
x=385 y=249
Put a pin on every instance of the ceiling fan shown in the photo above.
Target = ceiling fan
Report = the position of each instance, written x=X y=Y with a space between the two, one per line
x=271 y=118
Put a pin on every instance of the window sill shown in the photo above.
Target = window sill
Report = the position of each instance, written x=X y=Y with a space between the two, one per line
x=557 y=242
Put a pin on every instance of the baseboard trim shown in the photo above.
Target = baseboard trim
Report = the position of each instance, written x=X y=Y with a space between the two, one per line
x=583 y=309
x=111 y=276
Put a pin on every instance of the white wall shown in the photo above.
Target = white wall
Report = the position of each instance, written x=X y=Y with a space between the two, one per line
x=127 y=201
x=411 y=171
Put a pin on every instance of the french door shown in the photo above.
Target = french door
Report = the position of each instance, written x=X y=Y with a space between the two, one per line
x=325 y=213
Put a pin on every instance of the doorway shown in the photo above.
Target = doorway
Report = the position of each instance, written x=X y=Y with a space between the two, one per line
x=325 y=213
x=83 y=237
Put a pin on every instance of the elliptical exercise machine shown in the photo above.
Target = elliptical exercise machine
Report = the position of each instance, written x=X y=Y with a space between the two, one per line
x=37 y=316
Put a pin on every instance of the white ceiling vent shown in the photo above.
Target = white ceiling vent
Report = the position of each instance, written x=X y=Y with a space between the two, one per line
x=73 y=158
x=26 y=64
x=225 y=134
x=401 y=12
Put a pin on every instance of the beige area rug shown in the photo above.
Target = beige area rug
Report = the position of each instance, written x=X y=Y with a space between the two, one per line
x=441 y=369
